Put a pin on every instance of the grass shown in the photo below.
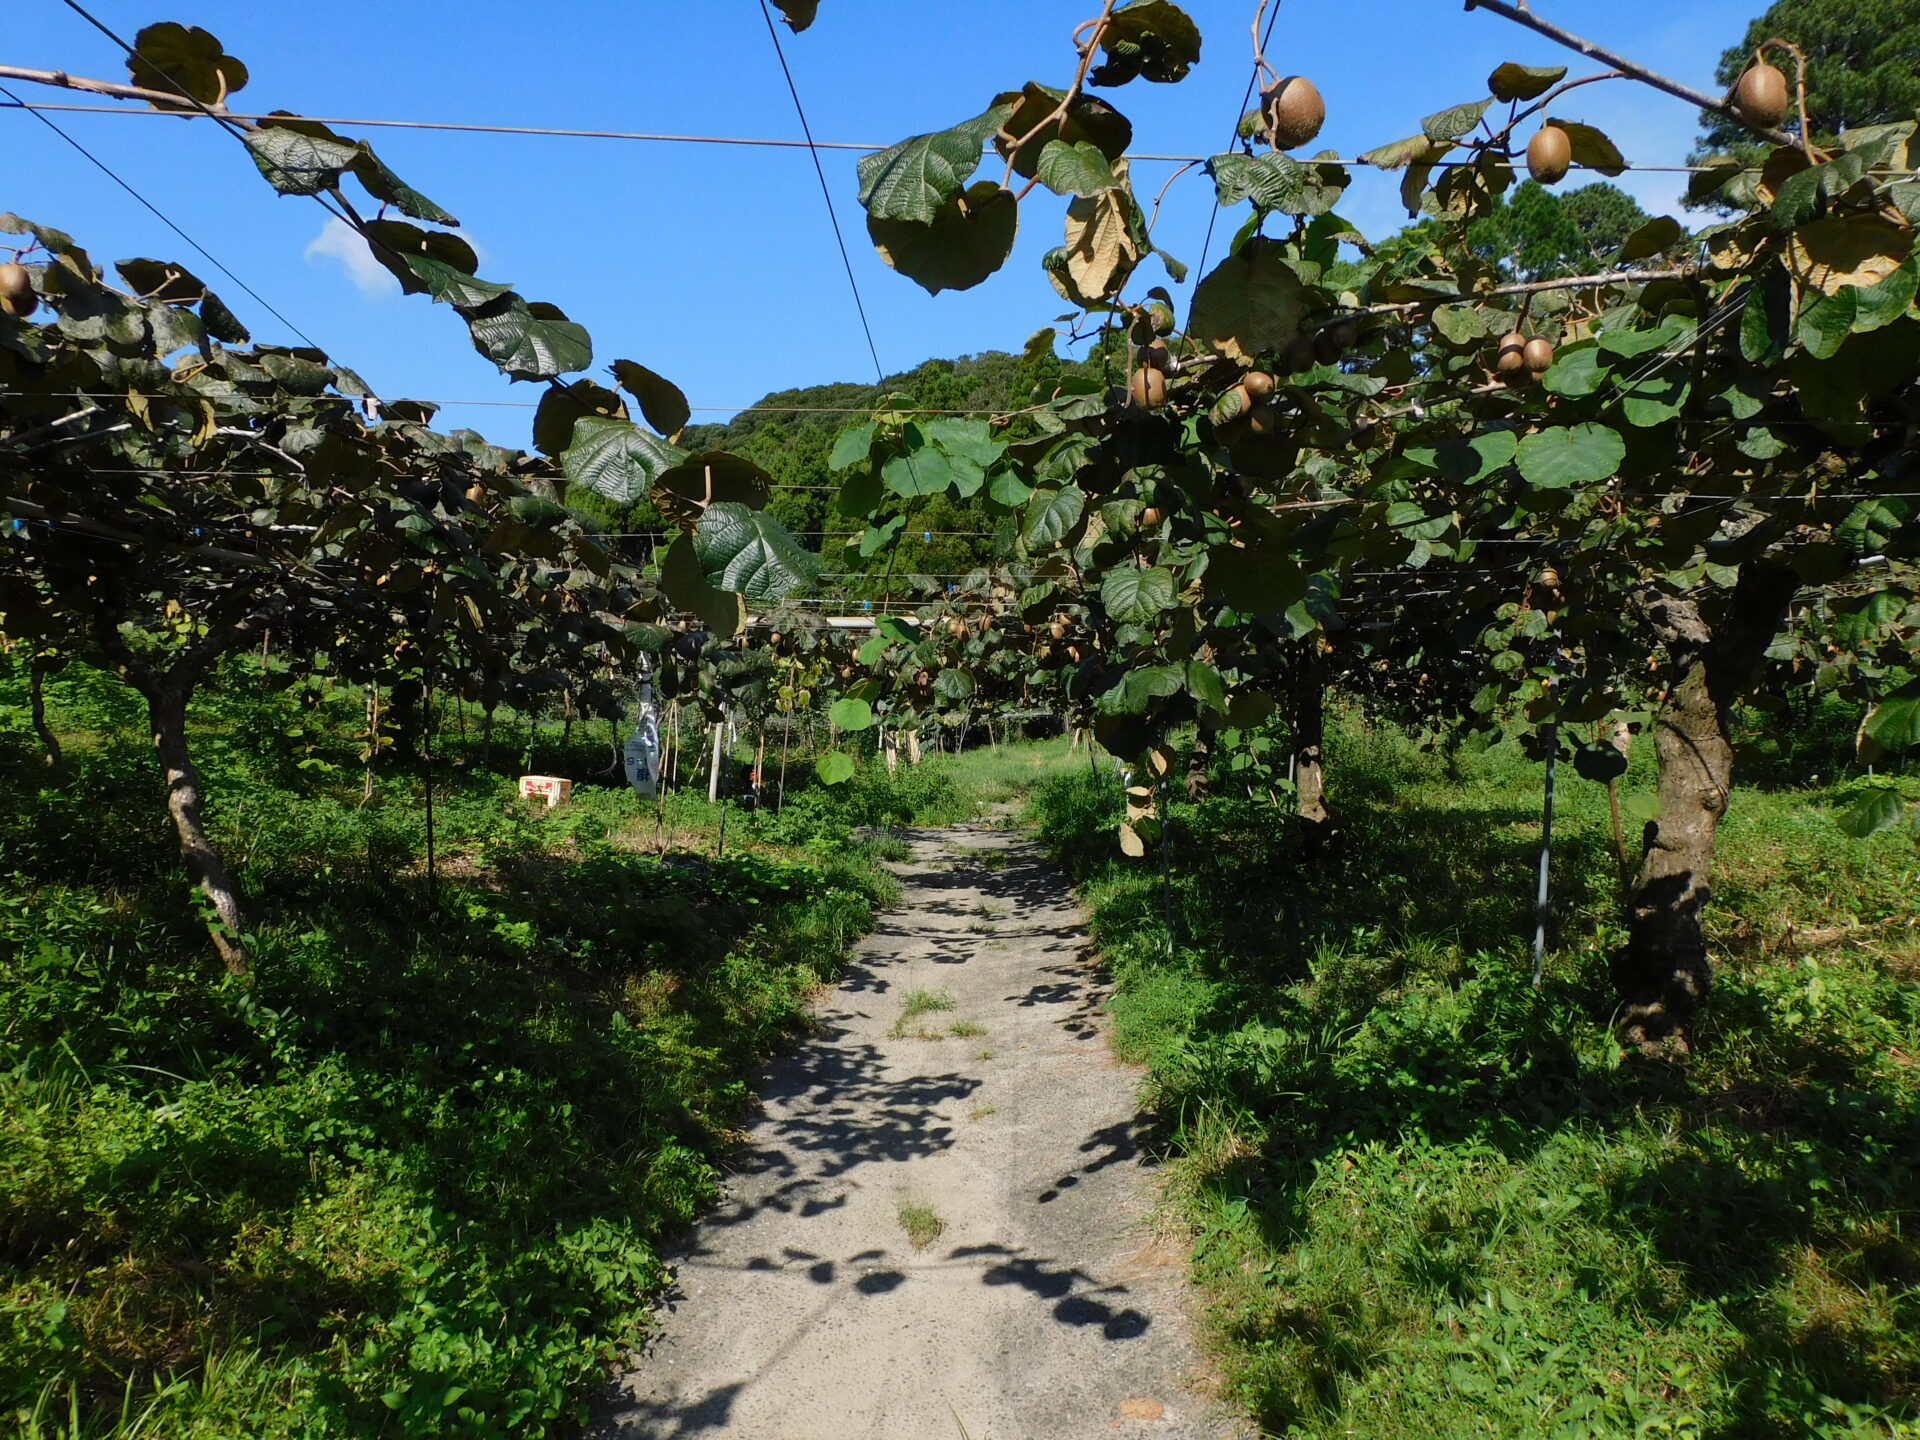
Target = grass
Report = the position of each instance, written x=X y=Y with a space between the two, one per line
x=983 y=1112
x=966 y=1029
x=416 y=1179
x=922 y=1225
x=1430 y=1199
x=914 y=1005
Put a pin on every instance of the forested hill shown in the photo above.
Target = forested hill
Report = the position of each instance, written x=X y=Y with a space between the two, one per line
x=790 y=434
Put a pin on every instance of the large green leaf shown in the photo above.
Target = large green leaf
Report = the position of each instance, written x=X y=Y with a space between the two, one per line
x=1149 y=39
x=561 y=405
x=1274 y=181
x=453 y=287
x=1454 y=121
x=749 y=551
x=834 y=768
x=661 y=401
x=184 y=60
x=1524 y=82
x=617 y=458
x=1253 y=303
x=1469 y=460
x=1074 y=169
x=1570 y=455
x=1576 y=370
x=389 y=189
x=684 y=582
x=529 y=341
x=914 y=179
x=1089 y=120
x=1894 y=724
x=295 y=159
x=928 y=471
x=1134 y=596
x=1052 y=514
x=967 y=238
x=852 y=447
x=1880 y=809
x=797 y=13
x=851 y=714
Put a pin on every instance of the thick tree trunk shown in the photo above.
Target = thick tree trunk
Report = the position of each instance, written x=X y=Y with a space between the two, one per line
x=1198 y=761
x=1309 y=717
x=167 y=709
x=37 y=702
x=1662 y=974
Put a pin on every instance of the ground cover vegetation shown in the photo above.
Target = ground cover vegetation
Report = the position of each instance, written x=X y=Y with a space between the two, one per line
x=411 y=1178
x=1428 y=1197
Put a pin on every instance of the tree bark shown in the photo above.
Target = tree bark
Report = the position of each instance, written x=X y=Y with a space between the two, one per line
x=167 y=710
x=1662 y=975
x=1198 y=760
x=1309 y=717
x=37 y=702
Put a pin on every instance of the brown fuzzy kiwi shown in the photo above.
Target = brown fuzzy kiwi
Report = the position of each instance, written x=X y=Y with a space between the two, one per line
x=1156 y=357
x=1549 y=155
x=1258 y=385
x=1057 y=630
x=16 y=289
x=1148 y=387
x=1345 y=332
x=1150 y=518
x=1761 y=96
x=477 y=493
x=1538 y=354
x=1550 y=578
x=1297 y=356
x=1511 y=353
x=957 y=628
x=1292 y=111
x=1263 y=420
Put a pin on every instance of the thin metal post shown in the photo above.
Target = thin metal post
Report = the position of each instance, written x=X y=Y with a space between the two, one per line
x=1542 y=903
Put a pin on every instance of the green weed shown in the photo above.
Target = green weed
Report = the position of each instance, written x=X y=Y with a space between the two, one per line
x=922 y=1225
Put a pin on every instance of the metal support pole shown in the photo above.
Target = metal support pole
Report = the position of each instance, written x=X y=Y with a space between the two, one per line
x=1542 y=905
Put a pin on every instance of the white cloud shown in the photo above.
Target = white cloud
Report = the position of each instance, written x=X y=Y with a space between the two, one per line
x=339 y=241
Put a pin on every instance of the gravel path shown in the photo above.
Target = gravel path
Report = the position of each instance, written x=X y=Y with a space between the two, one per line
x=1044 y=1309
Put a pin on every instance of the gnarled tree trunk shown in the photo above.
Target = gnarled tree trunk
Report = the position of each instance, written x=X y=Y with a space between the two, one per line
x=1308 y=716
x=167 y=709
x=37 y=702
x=1663 y=974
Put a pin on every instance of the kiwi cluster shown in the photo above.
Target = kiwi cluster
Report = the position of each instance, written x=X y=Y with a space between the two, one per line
x=1147 y=385
x=1518 y=359
x=1291 y=112
x=1549 y=155
x=16 y=290
x=1761 y=96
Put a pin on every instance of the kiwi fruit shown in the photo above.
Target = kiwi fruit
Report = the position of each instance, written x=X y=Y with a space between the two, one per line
x=1160 y=313
x=1550 y=578
x=1156 y=357
x=1761 y=96
x=1297 y=356
x=1511 y=354
x=1057 y=630
x=16 y=289
x=1258 y=385
x=1148 y=387
x=957 y=628
x=1538 y=354
x=1549 y=155
x=1292 y=112
x=1263 y=420
x=1150 y=518
x=1345 y=332
x=477 y=493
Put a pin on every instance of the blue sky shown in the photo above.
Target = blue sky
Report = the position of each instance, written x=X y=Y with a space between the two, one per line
x=715 y=265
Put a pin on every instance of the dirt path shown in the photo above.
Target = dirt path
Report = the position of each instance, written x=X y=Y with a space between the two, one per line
x=1044 y=1309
